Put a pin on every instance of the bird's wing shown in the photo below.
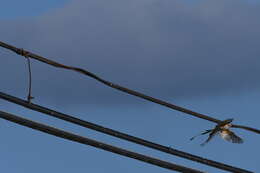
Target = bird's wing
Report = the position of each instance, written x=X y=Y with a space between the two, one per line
x=231 y=137
x=211 y=135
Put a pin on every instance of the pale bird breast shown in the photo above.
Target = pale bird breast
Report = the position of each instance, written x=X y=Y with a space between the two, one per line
x=225 y=134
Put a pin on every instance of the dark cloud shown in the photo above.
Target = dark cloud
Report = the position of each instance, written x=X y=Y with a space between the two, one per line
x=167 y=49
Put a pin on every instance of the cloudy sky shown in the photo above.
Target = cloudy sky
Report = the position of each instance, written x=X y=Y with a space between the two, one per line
x=203 y=55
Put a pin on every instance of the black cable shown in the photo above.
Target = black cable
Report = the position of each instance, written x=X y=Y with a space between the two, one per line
x=23 y=52
x=80 y=139
x=121 y=135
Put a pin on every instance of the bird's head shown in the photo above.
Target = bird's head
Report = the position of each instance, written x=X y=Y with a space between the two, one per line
x=227 y=121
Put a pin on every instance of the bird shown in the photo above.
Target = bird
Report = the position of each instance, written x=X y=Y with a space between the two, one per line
x=222 y=129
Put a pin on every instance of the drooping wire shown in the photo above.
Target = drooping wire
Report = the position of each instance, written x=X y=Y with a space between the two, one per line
x=83 y=140
x=120 y=135
x=29 y=97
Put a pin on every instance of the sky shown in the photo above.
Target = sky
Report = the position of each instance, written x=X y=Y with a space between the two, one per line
x=202 y=55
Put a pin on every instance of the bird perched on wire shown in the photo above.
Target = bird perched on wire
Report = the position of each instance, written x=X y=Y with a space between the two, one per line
x=222 y=129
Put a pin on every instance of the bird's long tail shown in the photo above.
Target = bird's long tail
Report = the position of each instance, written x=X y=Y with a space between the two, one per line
x=202 y=133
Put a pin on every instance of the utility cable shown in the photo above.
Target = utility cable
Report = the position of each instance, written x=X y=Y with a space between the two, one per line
x=83 y=140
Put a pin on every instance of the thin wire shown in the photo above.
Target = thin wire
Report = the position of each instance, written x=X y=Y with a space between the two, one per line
x=83 y=140
x=29 y=97
x=22 y=52
x=120 y=135
x=245 y=128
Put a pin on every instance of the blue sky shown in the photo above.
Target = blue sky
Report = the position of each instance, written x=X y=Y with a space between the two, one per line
x=202 y=55
x=14 y=9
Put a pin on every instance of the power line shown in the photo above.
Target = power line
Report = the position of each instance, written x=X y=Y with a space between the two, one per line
x=80 y=139
x=118 y=134
x=27 y=54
